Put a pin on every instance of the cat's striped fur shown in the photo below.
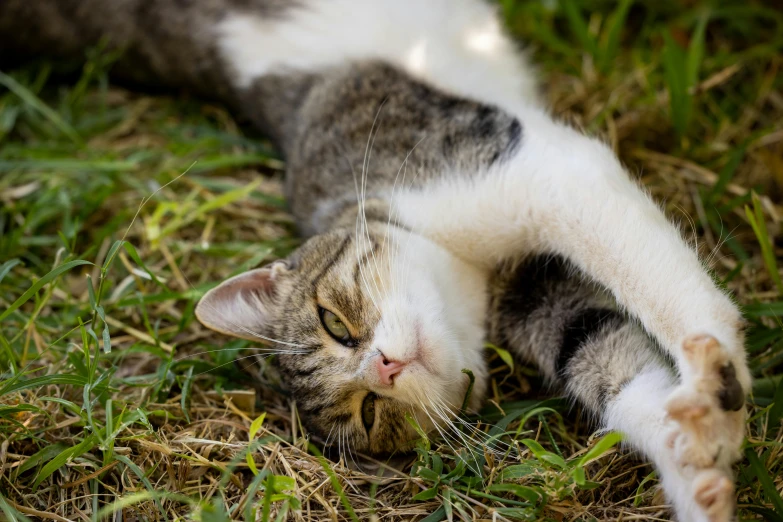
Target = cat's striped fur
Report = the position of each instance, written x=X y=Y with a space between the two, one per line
x=443 y=207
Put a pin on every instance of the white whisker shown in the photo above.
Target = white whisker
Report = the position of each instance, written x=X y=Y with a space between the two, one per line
x=363 y=196
x=266 y=350
x=239 y=359
x=437 y=427
x=479 y=437
x=395 y=211
x=326 y=444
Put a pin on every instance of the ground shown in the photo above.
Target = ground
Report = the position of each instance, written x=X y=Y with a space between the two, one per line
x=119 y=209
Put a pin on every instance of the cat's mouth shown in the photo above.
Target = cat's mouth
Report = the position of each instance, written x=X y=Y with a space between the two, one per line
x=422 y=388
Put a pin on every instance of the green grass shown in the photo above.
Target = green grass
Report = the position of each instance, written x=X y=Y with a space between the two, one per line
x=118 y=210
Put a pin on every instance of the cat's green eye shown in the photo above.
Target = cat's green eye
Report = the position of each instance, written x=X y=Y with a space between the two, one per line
x=336 y=327
x=368 y=411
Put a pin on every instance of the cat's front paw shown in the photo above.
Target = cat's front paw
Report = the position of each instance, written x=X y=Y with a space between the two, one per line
x=708 y=409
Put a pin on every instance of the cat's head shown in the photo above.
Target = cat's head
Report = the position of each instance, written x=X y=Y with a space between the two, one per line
x=369 y=326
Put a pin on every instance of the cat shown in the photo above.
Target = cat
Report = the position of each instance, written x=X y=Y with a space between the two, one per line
x=443 y=206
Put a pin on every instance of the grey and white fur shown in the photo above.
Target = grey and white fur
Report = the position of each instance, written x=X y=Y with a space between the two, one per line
x=443 y=207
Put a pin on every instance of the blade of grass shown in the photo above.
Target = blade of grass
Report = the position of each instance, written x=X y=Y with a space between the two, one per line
x=7 y=266
x=765 y=480
x=64 y=457
x=137 y=498
x=613 y=33
x=11 y=513
x=776 y=411
x=696 y=51
x=46 y=454
x=131 y=250
x=602 y=446
x=675 y=74
x=338 y=488
x=147 y=484
x=17 y=384
x=756 y=219
x=579 y=27
x=763 y=309
x=187 y=385
x=33 y=101
x=40 y=284
x=436 y=516
x=727 y=174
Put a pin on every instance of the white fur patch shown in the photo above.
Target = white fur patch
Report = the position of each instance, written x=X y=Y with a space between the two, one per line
x=457 y=45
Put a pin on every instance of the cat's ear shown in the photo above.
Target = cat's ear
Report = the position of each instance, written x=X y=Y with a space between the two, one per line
x=241 y=306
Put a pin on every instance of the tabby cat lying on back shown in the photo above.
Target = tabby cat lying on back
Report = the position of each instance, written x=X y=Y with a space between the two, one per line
x=444 y=207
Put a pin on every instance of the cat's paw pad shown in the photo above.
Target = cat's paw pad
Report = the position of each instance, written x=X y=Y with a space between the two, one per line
x=714 y=493
x=706 y=409
x=714 y=370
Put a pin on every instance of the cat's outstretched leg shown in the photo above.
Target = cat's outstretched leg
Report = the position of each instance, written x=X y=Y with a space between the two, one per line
x=563 y=193
x=548 y=314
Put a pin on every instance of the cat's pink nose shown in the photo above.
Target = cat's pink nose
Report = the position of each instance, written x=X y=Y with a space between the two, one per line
x=387 y=369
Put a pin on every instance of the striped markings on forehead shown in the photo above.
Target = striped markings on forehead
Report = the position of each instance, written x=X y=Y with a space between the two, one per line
x=353 y=277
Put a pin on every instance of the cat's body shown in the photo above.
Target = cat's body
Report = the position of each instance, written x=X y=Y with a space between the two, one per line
x=440 y=200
